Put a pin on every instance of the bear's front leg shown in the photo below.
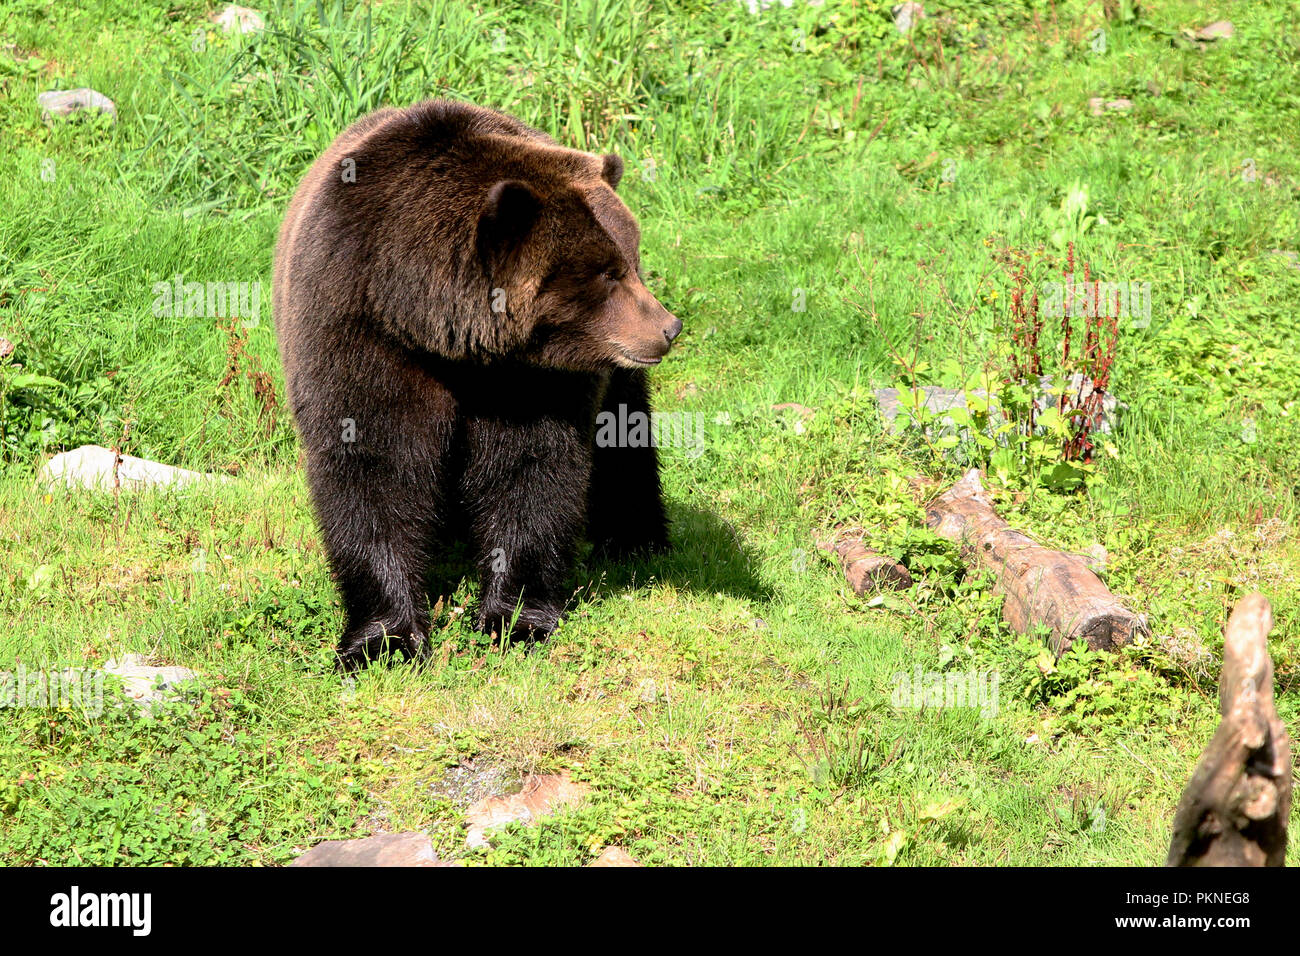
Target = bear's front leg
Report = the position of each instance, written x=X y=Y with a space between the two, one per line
x=377 y=516
x=625 y=504
x=525 y=490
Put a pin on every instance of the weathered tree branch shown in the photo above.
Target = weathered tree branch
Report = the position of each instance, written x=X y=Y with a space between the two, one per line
x=1040 y=586
x=1235 y=808
x=868 y=571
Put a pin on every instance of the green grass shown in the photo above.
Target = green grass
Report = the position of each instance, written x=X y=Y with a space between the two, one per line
x=730 y=702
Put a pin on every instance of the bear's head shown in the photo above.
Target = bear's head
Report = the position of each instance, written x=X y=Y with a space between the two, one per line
x=562 y=257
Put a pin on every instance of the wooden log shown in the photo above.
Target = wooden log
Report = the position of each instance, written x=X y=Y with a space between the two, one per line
x=1235 y=808
x=869 y=572
x=1039 y=586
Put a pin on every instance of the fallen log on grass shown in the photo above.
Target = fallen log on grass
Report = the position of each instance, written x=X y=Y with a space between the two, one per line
x=1235 y=808
x=869 y=572
x=1040 y=586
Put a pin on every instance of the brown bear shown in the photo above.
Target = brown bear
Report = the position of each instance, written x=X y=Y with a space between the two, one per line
x=457 y=297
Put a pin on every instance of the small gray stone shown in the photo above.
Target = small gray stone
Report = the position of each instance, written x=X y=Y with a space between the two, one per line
x=468 y=782
x=907 y=15
x=940 y=400
x=1077 y=385
x=1100 y=106
x=934 y=399
x=147 y=685
x=70 y=102
x=383 y=849
x=236 y=19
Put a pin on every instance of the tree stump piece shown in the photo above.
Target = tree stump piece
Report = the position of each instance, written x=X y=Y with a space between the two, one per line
x=1235 y=808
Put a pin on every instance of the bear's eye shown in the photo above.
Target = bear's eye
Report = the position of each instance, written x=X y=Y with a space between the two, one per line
x=612 y=275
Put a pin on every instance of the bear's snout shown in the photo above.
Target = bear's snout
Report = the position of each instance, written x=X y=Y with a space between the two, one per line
x=661 y=324
x=644 y=330
x=658 y=329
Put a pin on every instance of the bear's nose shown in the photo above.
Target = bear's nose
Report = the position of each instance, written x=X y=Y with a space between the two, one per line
x=673 y=330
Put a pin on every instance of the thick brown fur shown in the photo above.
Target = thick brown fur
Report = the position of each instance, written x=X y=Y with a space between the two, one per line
x=456 y=298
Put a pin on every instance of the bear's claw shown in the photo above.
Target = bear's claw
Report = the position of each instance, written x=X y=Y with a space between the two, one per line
x=359 y=646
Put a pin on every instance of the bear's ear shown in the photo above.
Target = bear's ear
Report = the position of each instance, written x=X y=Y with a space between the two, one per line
x=508 y=214
x=611 y=169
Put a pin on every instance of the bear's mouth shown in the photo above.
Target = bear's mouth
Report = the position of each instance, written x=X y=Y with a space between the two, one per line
x=637 y=360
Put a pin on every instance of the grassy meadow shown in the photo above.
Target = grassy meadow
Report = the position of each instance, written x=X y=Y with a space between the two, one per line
x=830 y=207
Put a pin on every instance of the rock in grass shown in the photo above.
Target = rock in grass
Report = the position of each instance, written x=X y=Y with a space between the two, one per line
x=894 y=406
x=67 y=103
x=1218 y=30
x=907 y=15
x=541 y=796
x=614 y=856
x=383 y=849
x=236 y=19
x=6 y=348
x=1079 y=388
x=468 y=782
x=145 y=684
x=896 y=409
x=93 y=466
x=933 y=399
x=1100 y=106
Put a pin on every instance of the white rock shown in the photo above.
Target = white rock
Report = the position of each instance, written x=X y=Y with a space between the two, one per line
x=648 y=691
x=68 y=102
x=91 y=466
x=236 y=19
x=1100 y=106
x=144 y=684
x=907 y=15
